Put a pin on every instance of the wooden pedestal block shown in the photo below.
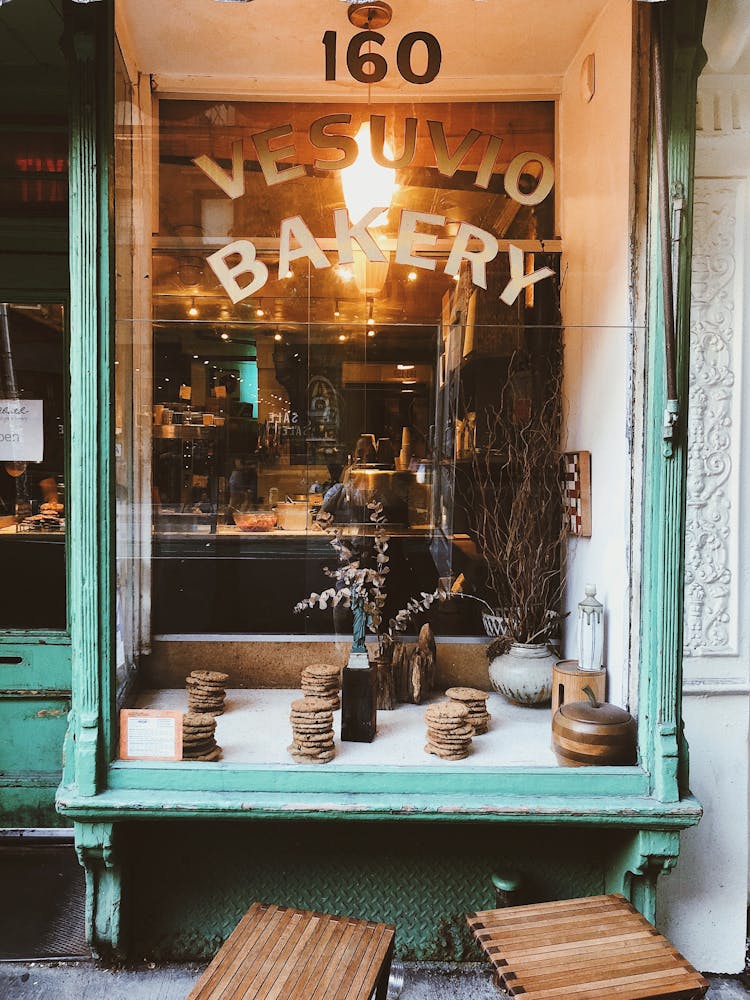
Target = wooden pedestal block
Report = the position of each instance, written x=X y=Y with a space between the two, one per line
x=568 y=682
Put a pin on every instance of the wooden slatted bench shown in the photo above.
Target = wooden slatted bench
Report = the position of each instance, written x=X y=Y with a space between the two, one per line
x=597 y=948
x=277 y=953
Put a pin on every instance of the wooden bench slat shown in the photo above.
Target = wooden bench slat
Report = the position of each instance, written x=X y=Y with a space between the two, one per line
x=313 y=942
x=250 y=976
x=252 y=917
x=383 y=961
x=558 y=906
x=640 y=988
x=351 y=938
x=616 y=948
x=625 y=954
x=358 y=962
x=334 y=931
x=597 y=918
x=594 y=972
x=233 y=972
x=296 y=955
x=258 y=979
x=372 y=961
x=559 y=951
x=566 y=933
x=602 y=949
x=253 y=925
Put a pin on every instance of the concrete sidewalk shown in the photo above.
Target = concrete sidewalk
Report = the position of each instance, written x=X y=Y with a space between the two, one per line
x=88 y=981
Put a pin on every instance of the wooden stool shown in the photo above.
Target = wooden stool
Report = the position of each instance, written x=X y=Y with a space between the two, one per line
x=599 y=948
x=568 y=682
x=295 y=955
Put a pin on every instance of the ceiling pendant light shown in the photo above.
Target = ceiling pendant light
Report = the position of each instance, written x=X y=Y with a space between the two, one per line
x=370 y=16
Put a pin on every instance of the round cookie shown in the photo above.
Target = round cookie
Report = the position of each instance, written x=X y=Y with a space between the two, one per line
x=466 y=694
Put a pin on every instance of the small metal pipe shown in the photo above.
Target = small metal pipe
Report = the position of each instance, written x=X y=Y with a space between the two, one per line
x=7 y=374
x=662 y=169
x=395 y=981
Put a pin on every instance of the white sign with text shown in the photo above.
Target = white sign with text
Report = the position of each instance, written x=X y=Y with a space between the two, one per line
x=21 y=430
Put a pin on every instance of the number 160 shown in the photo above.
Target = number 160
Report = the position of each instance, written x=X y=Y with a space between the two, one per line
x=371 y=67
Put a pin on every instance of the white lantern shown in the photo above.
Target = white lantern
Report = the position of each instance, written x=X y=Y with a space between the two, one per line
x=590 y=630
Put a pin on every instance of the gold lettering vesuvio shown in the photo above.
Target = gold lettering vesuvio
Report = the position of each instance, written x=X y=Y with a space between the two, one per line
x=329 y=133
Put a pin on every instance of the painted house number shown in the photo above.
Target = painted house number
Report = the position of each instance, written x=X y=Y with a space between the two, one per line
x=372 y=67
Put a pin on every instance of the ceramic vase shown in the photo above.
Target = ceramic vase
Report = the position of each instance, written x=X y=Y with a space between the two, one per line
x=524 y=674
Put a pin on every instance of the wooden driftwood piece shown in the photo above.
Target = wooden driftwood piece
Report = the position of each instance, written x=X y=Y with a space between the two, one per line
x=386 y=677
x=421 y=672
x=426 y=642
x=400 y=669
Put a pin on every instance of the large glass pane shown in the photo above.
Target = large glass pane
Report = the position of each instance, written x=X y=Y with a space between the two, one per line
x=340 y=371
x=33 y=422
x=307 y=406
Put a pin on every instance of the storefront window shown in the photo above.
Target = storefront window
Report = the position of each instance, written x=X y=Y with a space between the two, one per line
x=348 y=338
x=33 y=420
x=335 y=373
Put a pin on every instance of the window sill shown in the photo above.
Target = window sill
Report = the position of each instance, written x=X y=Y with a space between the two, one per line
x=143 y=801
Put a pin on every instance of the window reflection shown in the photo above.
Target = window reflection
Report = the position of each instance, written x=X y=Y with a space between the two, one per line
x=33 y=418
x=336 y=381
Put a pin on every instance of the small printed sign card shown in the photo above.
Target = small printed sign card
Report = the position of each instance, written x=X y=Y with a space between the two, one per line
x=150 y=734
x=21 y=430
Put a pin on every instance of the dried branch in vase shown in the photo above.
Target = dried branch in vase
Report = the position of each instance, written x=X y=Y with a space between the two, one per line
x=515 y=499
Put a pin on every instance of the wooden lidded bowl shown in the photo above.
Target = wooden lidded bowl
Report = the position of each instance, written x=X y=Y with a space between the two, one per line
x=593 y=732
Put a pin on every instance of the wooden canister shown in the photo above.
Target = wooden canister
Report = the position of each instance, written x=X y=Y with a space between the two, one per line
x=568 y=682
x=593 y=732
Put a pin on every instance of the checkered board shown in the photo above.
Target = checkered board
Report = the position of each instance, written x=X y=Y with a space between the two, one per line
x=577 y=479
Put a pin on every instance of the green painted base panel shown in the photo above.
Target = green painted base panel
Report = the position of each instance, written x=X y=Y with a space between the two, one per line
x=188 y=884
x=30 y=806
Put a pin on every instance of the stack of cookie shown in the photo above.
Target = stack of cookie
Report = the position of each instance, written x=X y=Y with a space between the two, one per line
x=206 y=691
x=476 y=702
x=312 y=731
x=449 y=731
x=198 y=742
x=322 y=681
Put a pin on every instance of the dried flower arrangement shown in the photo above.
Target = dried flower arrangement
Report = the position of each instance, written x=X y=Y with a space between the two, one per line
x=360 y=577
x=360 y=584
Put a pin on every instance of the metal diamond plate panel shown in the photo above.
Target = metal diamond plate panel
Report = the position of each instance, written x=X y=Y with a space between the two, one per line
x=189 y=883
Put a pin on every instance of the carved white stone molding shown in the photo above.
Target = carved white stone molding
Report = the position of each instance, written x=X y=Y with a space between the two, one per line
x=711 y=547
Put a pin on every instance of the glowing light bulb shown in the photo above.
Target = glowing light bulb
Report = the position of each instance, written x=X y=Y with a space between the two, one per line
x=366 y=184
x=342 y=337
x=412 y=276
x=277 y=337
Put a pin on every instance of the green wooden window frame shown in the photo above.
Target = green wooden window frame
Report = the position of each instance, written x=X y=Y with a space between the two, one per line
x=97 y=789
